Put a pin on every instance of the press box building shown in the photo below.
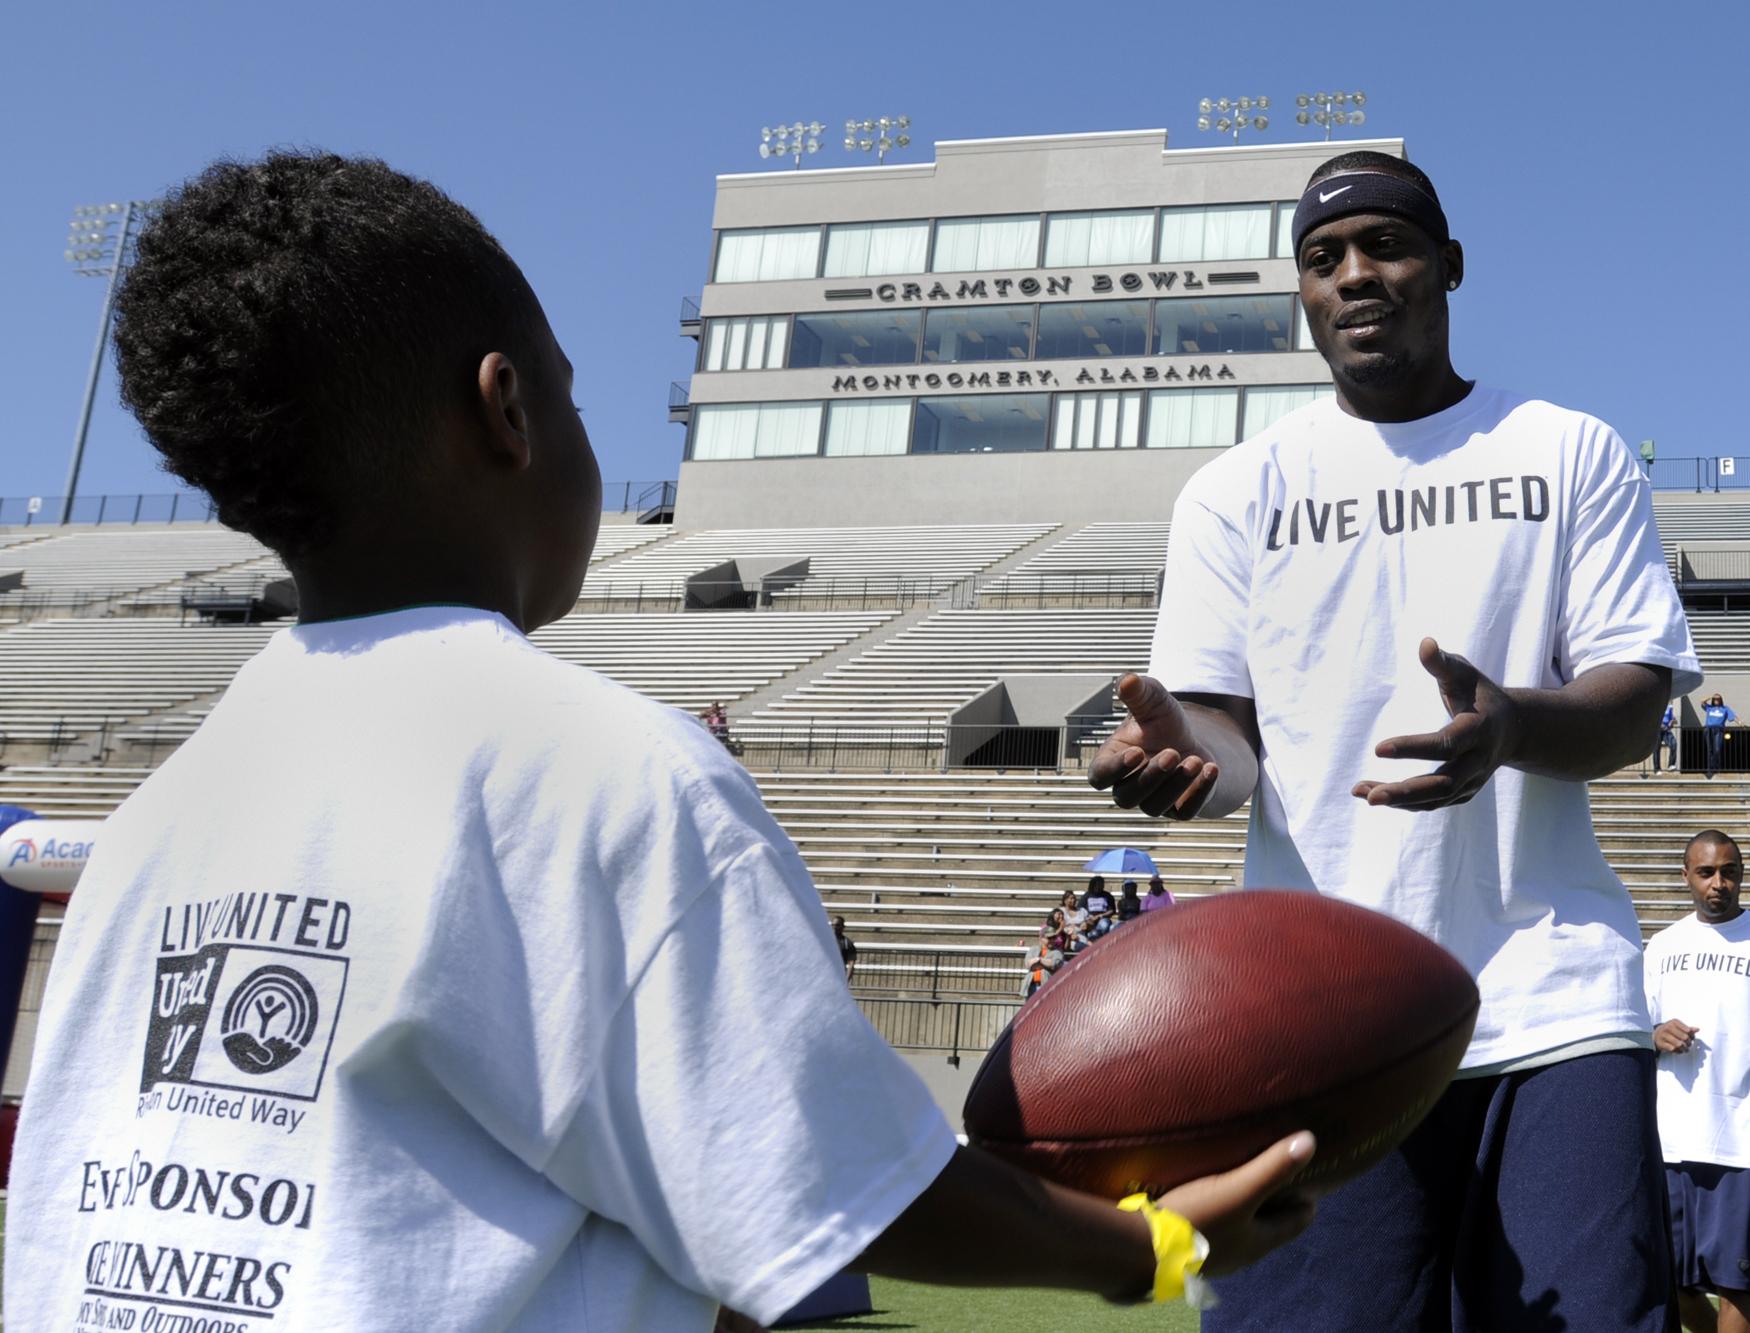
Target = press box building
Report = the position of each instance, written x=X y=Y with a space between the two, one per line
x=1059 y=328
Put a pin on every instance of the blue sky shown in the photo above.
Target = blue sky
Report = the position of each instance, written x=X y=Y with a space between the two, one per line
x=1591 y=157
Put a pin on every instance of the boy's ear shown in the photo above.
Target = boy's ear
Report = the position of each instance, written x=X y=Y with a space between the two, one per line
x=504 y=410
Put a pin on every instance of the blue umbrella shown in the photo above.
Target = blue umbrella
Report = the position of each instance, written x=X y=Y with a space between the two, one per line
x=1122 y=861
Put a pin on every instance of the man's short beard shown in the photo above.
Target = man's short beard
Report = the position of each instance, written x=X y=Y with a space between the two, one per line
x=1382 y=371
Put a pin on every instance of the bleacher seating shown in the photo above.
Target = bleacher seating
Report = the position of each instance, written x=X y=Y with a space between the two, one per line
x=919 y=675
x=94 y=564
x=1722 y=639
x=1094 y=565
x=692 y=660
x=615 y=539
x=63 y=678
x=944 y=878
x=845 y=563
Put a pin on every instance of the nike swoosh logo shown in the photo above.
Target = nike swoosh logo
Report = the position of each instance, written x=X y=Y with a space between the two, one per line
x=1326 y=198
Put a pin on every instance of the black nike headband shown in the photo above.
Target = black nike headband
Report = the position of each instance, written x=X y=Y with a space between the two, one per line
x=1349 y=192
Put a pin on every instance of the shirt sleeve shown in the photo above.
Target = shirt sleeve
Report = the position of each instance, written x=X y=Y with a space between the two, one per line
x=1618 y=601
x=1200 y=635
x=746 y=1123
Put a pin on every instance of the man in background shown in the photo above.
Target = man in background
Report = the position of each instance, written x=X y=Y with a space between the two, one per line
x=1698 y=992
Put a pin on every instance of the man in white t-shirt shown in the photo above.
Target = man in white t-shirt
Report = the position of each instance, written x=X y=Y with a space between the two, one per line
x=434 y=983
x=1409 y=623
x=1698 y=995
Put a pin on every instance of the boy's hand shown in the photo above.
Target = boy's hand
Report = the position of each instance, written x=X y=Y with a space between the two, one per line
x=1673 y=1036
x=1247 y=1212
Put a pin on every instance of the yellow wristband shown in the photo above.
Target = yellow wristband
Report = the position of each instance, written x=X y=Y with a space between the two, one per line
x=1180 y=1250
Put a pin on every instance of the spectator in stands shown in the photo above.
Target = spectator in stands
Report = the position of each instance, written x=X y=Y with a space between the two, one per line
x=1158 y=897
x=1098 y=903
x=1054 y=931
x=1695 y=975
x=847 y=948
x=1296 y=665
x=1075 y=921
x=1046 y=959
x=1667 y=741
x=716 y=721
x=1129 y=905
x=567 y=1015
x=1716 y=715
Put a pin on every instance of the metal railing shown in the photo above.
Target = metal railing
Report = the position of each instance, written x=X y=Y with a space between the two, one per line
x=876 y=592
x=1069 y=589
x=917 y=746
x=1699 y=565
x=27 y=511
x=954 y=1026
x=30 y=511
x=689 y=310
x=936 y=972
x=1721 y=472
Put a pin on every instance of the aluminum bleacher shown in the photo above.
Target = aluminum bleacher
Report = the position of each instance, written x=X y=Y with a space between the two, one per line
x=86 y=566
x=62 y=678
x=847 y=565
x=943 y=878
x=1099 y=564
x=916 y=677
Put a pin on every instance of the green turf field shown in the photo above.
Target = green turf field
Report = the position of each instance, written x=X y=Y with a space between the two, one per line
x=907 y=1305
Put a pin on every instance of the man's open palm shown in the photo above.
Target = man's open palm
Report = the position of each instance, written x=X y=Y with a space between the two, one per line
x=1151 y=762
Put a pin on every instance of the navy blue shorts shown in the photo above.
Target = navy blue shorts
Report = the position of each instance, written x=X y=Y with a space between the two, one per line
x=1525 y=1203
x=1710 y=1224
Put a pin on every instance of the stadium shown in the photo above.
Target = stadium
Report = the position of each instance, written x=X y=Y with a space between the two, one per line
x=939 y=417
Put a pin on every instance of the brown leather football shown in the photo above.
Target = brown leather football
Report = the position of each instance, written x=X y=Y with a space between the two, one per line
x=1194 y=1037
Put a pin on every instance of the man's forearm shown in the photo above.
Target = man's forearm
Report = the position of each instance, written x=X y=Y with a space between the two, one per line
x=1594 y=725
x=986 y=1223
x=1221 y=739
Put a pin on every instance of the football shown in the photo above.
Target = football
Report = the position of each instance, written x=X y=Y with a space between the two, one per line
x=1194 y=1037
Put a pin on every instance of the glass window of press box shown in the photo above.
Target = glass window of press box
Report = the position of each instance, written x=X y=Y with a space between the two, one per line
x=1079 y=240
x=997 y=423
x=1192 y=418
x=750 y=342
x=1268 y=404
x=979 y=333
x=768 y=254
x=1222 y=231
x=1097 y=421
x=974 y=245
x=1093 y=328
x=872 y=426
x=875 y=249
x=755 y=430
x=1205 y=325
x=862 y=338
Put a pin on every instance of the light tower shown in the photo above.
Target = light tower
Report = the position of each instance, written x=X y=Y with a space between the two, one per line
x=100 y=244
x=877 y=136
x=791 y=140
x=1330 y=110
x=1230 y=115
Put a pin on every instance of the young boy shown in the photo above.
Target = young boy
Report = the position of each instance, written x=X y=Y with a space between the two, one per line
x=435 y=983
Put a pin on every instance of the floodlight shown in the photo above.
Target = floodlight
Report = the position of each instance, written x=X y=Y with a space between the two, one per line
x=876 y=135
x=1236 y=114
x=1332 y=109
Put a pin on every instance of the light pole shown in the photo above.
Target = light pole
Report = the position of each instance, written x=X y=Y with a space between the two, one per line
x=1332 y=110
x=1230 y=115
x=877 y=136
x=791 y=140
x=100 y=241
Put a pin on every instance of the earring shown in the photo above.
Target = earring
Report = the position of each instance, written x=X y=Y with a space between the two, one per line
x=1452 y=284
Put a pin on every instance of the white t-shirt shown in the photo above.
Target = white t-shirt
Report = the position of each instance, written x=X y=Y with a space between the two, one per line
x=437 y=984
x=1700 y=974
x=1305 y=567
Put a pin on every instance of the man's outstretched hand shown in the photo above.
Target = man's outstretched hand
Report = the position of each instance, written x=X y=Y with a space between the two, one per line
x=1152 y=762
x=1479 y=739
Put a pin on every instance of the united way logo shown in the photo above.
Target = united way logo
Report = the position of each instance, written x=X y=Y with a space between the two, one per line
x=245 y=1018
x=269 y=1019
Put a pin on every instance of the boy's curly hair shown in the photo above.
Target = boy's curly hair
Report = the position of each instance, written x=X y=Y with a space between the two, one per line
x=292 y=329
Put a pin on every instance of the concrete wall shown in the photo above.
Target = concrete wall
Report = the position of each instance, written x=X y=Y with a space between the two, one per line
x=1058 y=487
